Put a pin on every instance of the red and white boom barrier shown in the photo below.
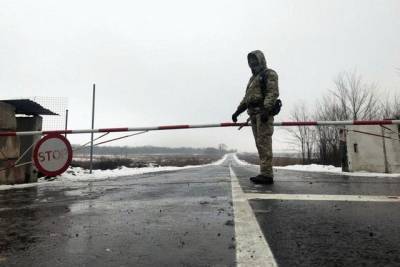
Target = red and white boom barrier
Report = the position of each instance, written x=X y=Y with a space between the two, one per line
x=195 y=126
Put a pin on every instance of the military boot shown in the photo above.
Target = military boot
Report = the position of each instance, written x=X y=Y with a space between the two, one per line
x=262 y=179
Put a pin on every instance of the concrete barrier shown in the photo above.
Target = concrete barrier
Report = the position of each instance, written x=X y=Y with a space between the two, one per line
x=9 y=147
x=7 y=117
x=33 y=123
x=15 y=175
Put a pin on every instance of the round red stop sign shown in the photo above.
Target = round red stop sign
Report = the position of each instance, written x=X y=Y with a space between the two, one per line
x=52 y=154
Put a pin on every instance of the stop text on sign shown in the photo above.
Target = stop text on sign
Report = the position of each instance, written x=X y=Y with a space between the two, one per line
x=52 y=154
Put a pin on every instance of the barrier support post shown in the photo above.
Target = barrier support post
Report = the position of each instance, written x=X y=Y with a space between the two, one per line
x=91 y=134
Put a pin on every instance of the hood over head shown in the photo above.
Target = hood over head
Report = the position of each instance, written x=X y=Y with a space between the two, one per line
x=256 y=61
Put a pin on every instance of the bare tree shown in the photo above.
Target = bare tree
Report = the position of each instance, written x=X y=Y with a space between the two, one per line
x=328 y=137
x=396 y=107
x=303 y=135
x=357 y=99
x=390 y=107
x=351 y=99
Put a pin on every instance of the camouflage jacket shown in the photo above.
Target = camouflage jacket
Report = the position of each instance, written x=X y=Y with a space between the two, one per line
x=258 y=96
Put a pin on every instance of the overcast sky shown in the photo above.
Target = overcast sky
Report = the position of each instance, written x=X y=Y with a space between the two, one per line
x=184 y=62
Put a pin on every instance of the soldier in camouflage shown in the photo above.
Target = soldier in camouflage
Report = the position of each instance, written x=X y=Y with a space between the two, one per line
x=261 y=94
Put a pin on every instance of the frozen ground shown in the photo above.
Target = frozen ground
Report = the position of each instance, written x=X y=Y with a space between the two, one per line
x=326 y=169
x=241 y=162
x=333 y=169
x=79 y=174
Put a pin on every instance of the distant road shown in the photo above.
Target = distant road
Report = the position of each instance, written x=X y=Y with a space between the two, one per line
x=207 y=216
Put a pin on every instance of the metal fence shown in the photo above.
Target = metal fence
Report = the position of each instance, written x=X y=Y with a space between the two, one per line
x=58 y=105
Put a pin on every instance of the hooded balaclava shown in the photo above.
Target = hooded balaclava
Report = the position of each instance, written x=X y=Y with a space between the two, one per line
x=257 y=62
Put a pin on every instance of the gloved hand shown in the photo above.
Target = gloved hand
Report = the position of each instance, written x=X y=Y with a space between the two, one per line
x=239 y=111
x=264 y=115
x=234 y=117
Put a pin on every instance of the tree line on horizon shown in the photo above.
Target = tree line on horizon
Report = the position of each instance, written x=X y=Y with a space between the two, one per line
x=148 y=150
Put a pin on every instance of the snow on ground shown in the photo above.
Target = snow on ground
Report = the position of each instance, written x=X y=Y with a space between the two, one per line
x=241 y=162
x=219 y=162
x=73 y=174
x=311 y=168
x=333 y=169
x=324 y=169
x=79 y=174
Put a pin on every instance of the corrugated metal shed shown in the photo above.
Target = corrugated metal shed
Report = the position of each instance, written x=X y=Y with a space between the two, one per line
x=28 y=107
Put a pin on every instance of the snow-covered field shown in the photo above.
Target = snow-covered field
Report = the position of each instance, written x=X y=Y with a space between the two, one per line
x=333 y=169
x=79 y=174
x=325 y=169
x=241 y=162
x=74 y=174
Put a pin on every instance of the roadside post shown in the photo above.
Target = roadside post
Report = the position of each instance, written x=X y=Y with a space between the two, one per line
x=91 y=135
x=66 y=121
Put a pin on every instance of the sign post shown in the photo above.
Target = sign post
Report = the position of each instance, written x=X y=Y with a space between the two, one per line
x=52 y=154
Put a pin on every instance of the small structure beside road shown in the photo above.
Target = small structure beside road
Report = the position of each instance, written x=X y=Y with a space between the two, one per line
x=374 y=148
x=19 y=115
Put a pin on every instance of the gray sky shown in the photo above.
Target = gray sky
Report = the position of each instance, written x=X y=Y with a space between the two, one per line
x=179 y=62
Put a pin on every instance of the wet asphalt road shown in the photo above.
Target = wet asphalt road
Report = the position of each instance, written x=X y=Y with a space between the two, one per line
x=328 y=233
x=162 y=219
x=186 y=218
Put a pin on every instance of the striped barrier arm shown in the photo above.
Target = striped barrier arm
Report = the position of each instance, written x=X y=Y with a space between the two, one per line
x=197 y=126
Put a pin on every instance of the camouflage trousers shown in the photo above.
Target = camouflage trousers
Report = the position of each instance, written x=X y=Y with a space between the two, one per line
x=262 y=131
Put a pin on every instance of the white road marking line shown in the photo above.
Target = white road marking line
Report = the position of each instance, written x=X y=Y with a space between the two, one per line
x=360 y=198
x=251 y=247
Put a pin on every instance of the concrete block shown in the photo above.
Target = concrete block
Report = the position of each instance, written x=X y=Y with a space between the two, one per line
x=29 y=124
x=15 y=175
x=9 y=147
x=7 y=117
